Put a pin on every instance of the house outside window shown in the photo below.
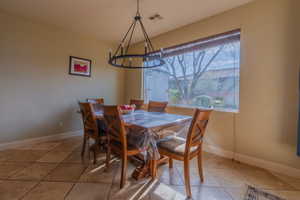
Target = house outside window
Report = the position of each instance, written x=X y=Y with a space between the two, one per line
x=204 y=74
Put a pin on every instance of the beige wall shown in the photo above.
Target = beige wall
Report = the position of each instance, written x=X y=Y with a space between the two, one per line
x=36 y=92
x=266 y=126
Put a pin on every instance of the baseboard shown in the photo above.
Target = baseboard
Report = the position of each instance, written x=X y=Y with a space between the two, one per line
x=218 y=151
x=269 y=165
x=19 y=143
x=272 y=166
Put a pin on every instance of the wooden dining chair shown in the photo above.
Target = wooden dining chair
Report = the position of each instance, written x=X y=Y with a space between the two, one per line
x=117 y=139
x=97 y=103
x=139 y=103
x=186 y=149
x=91 y=128
x=157 y=106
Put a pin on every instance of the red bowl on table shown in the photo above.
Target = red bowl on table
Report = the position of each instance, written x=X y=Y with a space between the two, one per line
x=126 y=109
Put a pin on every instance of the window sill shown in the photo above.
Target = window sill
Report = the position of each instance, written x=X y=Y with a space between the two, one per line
x=214 y=109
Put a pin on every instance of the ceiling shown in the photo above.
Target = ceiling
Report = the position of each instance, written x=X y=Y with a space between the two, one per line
x=109 y=19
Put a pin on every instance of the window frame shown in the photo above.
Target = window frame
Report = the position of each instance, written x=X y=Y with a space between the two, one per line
x=226 y=110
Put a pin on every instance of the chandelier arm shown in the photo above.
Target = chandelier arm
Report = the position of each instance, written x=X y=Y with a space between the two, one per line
x=134 y=22
x=145 y=34
x=147 y=37
x=148 y=43
x=138 y=7
x=129 y=41
x=116 y=58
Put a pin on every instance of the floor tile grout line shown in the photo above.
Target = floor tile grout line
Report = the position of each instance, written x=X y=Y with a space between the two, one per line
x=17 y=171
x=113 y=179
x=42 y=179
x=69 y=191
x=178 y=172
x=46 y=151
x=35 y=186
x=110 y=189
x=32 y=163
x=39 y=182
x=10 y=179
x=193 y=186
x=285 y=182
x=69 y=154
x=75 y=183
x=112 y=184
x=62 y=162
x=37 y=160
x=230 y=195
x=51 y=171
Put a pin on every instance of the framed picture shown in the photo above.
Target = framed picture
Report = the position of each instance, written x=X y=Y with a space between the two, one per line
x=80 y=66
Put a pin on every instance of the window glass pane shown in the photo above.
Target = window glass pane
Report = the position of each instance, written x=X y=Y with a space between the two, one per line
x=205 y=78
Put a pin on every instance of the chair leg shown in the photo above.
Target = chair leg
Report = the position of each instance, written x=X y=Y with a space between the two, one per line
x=124 y=170
x=83 y=146
x=102 y=144
x=108 y=154
x=200 y=167
x=150 y=164
x=96 y=149
x=89 y=150
x=95 y=156
x=153 y=168
x=187 y=178
x=170 y=163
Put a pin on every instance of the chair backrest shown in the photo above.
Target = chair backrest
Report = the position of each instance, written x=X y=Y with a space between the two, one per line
x=157 y=106
x=197 y=129
x=97 y=103
x=138 y=103
x=89 y=118
x=115 y=124
x=95 y=100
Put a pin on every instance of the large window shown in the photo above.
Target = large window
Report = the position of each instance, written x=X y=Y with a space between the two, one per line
x=204 y=73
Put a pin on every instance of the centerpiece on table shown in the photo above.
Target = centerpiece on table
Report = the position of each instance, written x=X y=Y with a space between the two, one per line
x=127 y=109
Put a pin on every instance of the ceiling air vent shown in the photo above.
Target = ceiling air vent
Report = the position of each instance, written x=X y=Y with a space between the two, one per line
x=156 y=17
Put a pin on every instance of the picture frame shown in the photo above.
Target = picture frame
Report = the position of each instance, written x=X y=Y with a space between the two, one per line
x=80 y=66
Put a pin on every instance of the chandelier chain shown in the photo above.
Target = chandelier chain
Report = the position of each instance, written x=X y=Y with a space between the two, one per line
x=138 y=7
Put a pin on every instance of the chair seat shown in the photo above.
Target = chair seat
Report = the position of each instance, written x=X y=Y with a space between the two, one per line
x=174 y=145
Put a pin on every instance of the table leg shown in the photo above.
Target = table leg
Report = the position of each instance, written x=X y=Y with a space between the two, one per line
x=141 y=171
x=148 y=168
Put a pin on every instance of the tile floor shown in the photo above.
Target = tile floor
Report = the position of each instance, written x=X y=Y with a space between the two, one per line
x=54 y=170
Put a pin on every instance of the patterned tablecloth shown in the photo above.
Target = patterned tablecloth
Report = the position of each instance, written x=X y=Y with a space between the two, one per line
x=145 y=128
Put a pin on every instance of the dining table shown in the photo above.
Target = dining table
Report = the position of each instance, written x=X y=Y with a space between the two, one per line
x=145 y=129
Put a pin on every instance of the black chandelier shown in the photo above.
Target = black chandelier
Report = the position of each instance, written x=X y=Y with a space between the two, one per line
x=148 y=59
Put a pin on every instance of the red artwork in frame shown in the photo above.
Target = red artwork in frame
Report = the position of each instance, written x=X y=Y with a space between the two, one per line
x=80 y=66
